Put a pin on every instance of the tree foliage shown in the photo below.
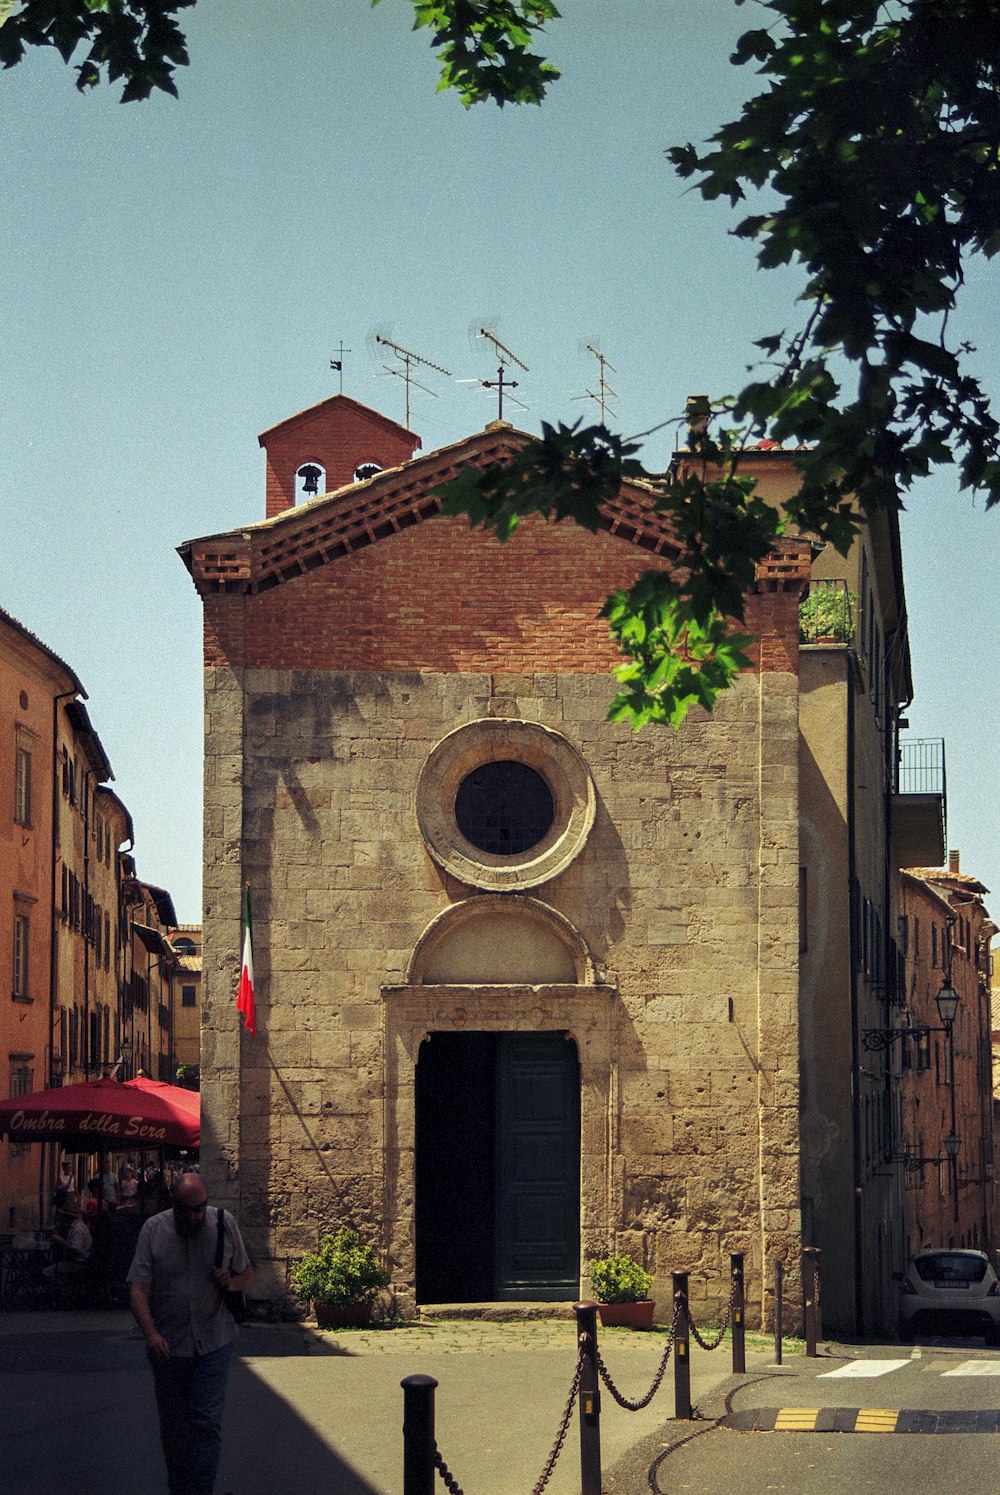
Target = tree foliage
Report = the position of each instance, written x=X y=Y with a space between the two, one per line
x=484 y=46
x=137 y=42
x=875 y=152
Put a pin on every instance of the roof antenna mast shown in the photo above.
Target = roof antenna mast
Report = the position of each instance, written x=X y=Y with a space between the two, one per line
x=604 y=390
x=409 y=361
x=500 y=383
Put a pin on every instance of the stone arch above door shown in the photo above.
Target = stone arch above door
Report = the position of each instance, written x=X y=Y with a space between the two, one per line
x=500 y=940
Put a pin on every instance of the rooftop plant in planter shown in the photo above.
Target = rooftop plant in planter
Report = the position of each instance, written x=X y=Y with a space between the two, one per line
x=622 y=1287
x=341 y=1280
x=827 y=613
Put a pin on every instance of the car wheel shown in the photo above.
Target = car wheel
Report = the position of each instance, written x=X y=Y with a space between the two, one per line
x=905 y=1333
x=992 y=1338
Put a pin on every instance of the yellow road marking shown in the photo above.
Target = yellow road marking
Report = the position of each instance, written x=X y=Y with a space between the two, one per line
x=877 y=1420
x=796 y=1420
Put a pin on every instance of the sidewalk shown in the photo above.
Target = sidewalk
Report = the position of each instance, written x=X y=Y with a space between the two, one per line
x=314 y=1413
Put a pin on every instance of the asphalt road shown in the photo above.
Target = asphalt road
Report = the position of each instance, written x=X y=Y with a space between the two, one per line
x=311 y=1414
x=889 y=1383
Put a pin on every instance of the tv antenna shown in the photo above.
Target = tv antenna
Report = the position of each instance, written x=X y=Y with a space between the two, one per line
x=501 y=383
x=409 y=361
x=337 y=364
x=604 y=390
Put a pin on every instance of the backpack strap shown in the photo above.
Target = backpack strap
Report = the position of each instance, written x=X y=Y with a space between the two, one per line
x=221 y=1238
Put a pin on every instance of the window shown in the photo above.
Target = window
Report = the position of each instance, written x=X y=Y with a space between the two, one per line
x=107 y=941
x=22 y=1082
x=188 y=996
x=504 y=807
x=22 y=937
x=934 y=945
x=504 y=804
x=22 y=786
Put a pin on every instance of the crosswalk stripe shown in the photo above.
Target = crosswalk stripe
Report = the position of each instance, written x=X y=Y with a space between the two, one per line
x=864 y=1369
x=975 y=1368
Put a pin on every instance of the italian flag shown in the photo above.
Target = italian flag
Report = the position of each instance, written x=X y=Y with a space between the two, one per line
x=245 y=1002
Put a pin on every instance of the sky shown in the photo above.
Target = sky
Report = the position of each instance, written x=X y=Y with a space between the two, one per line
x=176 y=276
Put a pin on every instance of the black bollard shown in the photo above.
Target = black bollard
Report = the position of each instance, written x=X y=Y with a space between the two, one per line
x=682 y=1348
x=779 y=1273
x=739 y=1316
x=590 y=1399
x=810 y=1286
x=419 y=1446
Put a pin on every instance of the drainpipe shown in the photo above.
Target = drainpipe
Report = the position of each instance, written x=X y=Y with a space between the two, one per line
x=88 y=775
x=859 y=1297
x=66 y=695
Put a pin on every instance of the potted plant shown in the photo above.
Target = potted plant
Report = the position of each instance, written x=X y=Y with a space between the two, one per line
x=341 y=1280
x=826 y=615
x=621 y=1287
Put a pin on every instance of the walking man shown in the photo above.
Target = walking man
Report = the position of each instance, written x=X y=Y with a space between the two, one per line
x=176 y=1294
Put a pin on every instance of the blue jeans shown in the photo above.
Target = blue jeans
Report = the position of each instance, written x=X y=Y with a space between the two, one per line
x=190 y=1396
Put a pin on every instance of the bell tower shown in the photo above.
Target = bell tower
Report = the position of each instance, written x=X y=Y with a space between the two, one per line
x=330 y=445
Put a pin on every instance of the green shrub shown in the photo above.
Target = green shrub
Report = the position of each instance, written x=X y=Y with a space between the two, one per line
x=827 y=612
x=619 y=1279
x=343 y=1270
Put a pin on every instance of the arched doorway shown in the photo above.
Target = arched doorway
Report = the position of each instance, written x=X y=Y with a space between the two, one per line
x=497 y=1167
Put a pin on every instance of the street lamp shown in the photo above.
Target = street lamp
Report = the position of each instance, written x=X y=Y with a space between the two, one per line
x=946 y=1001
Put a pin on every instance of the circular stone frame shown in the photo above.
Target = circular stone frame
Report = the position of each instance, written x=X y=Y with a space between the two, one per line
x=493 y=739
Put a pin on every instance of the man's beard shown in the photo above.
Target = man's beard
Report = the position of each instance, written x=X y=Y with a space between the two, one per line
x=186 y=1226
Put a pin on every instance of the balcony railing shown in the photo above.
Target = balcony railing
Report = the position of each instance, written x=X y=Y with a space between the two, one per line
x=921 y=767
x=828 y=613
x=920 y=803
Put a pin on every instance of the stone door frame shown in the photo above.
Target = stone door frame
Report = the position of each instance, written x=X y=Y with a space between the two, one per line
x=412 y=1013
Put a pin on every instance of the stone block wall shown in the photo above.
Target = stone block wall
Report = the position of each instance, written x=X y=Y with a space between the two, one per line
x=685 y=895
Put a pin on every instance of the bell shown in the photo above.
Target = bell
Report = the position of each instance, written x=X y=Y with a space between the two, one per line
x=310 y=476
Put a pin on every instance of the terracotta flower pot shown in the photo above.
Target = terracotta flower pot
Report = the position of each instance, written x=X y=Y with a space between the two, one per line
x=342 y=1315
x=627 y=1315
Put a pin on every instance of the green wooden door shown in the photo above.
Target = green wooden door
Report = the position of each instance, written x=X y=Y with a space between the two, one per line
x=537 y=1167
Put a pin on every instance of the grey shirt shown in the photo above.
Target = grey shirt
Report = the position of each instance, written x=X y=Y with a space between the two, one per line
x=187 y=1307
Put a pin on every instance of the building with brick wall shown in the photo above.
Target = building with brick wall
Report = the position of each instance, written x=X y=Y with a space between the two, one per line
x=945 y=1075
x=531 y=987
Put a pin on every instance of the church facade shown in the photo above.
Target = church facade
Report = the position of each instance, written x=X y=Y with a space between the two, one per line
x=528 y=983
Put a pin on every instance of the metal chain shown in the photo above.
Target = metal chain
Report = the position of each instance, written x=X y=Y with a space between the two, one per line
x=622 y=1400
x=556 y=1449
x=451 y=1483
x=696 y=1335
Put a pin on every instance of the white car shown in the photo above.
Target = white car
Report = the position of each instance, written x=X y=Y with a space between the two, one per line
x=949 y=1292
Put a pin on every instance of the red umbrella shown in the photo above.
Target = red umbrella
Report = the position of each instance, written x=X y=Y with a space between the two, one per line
x=105 y=1114
x=186 y=1102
